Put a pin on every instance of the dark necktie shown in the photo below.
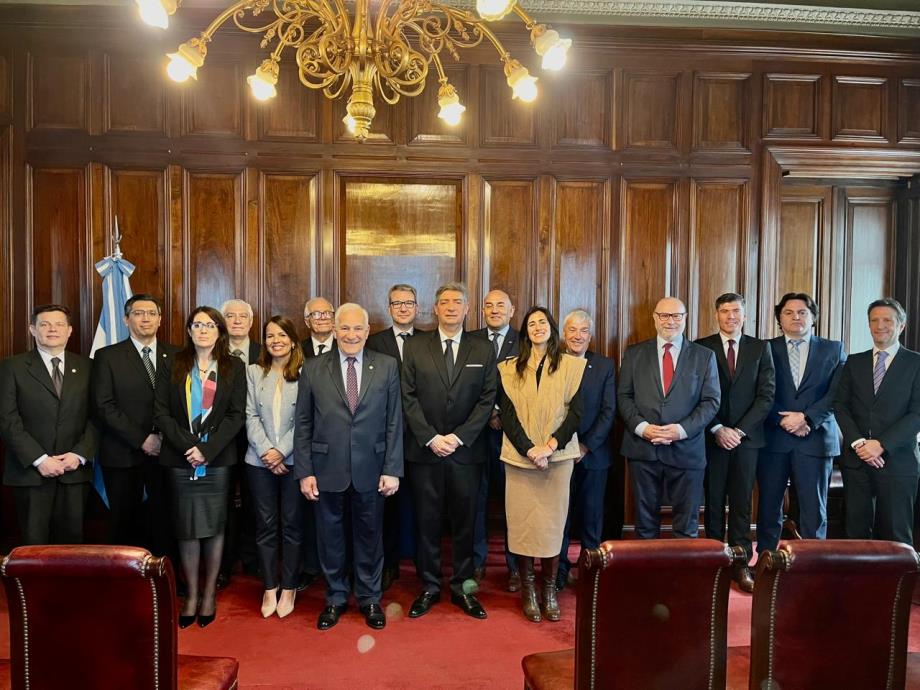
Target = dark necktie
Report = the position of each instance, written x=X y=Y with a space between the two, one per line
x=731 y=358
x=148 y=365
x=449 y=358
x=878 y=373
x=494 y=335
x=237 y=353
x=667 y=368
x=351 y=384
x=320 y=348
x=57 y=376
x=403 y=337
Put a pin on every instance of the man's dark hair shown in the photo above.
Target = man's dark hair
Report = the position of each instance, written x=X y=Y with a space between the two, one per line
x=142 y=297
x=45 y=308
x=891 y=303
x=788 y=297
x=728 y=298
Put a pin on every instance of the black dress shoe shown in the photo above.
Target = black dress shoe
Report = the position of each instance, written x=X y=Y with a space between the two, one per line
x=469 y=604
x=330 y=616
x=389 y=576
x=373 y=616
x=423 y=603
x=306 y=579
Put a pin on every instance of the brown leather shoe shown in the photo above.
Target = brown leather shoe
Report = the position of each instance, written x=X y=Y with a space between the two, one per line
x=514 y=581
x=742 y=575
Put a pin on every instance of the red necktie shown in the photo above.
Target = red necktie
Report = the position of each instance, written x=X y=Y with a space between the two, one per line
x=667 y=368
x=731 y=358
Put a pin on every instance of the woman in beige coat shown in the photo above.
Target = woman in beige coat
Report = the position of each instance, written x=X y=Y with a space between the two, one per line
x=540 y=412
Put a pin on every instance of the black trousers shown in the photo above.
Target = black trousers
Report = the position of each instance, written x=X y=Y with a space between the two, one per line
x=277 y=503
x=684 y=488
x=133 y=520
x=730 y=474
x=879 y=505
x=361 y=514
x=438 y=487
x=51 y=513
x=586 y=505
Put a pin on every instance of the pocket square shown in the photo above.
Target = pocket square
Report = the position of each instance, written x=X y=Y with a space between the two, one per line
x=473 y=365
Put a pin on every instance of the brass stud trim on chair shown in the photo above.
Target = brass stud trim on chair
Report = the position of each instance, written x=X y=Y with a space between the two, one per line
x=25 y=631
x=772 y=636
x=891 y=640
x=712 y=625
x=597 y=586
x=156 y=631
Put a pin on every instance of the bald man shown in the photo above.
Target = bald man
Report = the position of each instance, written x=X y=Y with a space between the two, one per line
x=668 y=392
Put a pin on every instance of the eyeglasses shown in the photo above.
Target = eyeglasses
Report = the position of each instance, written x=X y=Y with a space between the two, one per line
x=138 y=313
x=399 y=304
x=676 y=316
x=327 y=314
x=201 y=325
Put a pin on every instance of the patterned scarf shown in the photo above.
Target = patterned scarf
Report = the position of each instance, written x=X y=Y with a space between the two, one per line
x=200 y=397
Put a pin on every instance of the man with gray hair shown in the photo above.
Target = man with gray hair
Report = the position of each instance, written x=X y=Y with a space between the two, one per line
x=317 y=314
x=589 y=479
x=449 y=383
x=239 y=317
x=348 y=458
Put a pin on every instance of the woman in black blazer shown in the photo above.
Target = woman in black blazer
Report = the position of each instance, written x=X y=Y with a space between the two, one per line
x=200 y=406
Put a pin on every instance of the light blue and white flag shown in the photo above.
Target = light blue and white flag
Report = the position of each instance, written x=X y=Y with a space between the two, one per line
x=116 y=272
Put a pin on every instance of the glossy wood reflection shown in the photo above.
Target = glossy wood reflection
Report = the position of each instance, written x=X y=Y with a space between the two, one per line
x=135 y=94
x=399 y=232
x=58 y=91
x=509 y=218
x=579 y=228
x=139 y=203
x=213 y=238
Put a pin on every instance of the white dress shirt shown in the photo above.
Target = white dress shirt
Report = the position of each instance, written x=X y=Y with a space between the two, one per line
x=803 y=354
x=327 y=345
x=502 y=334
x=402 y=341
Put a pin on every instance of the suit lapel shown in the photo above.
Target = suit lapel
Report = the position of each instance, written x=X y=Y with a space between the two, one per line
x=681 y=362
x=721 y=360
x=437 y=356
x=392 y=345
x=134 y=357
x=507 y=345
x=656 y=368
x=334 y=367
x=368 y=371
x=813 y=345
x=894 y=370
x=40 y=373
x=744 y=354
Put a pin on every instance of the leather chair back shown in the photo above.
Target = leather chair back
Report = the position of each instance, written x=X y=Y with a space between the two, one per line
x=653 y=615
x=832 y=614
x=90 y=617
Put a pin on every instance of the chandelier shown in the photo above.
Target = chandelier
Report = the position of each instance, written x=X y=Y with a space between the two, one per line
x=388 y=55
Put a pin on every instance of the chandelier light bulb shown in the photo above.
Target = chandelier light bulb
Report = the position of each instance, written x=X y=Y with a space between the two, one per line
x=262 y=83
x=523 y=86
x=153 y=13
x=451 y=108
x=493 y=10
x=553 y=49
x=184 y=63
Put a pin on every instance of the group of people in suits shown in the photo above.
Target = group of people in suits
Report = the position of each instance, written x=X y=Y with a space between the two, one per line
x=318 y=437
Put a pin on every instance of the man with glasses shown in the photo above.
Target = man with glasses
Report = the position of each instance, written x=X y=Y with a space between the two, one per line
x=318 y=314
x=46 y=426
x=668 y=393
x=497 y=310
x=802 y=436
x=398 y=513
x=124 y=377
x=240 y=530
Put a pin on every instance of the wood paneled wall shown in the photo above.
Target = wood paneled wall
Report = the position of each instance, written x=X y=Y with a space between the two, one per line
x=654 y=165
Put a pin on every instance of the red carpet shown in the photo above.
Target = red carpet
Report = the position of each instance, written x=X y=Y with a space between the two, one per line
x=444 y=649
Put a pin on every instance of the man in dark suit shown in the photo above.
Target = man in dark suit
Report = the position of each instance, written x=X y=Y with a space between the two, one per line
x=748 y=383
x=318 y=314
x=878 y=409
x=497 y=310
x=448 y=386
x=589 y=478
x=668 y=393
x=124 y=376
x=239 y=531
x=46 y=425
x=348 y=458
x=801 y=434
x=398 y=513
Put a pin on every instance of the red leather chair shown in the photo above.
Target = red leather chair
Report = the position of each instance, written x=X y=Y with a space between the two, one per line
x=650 y=614
x=99 y=617
x=829 y=614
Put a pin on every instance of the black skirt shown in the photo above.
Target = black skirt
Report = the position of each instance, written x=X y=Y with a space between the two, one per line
x=200 y=505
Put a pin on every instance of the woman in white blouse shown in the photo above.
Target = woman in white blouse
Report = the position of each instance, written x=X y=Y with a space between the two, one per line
x=269 y=459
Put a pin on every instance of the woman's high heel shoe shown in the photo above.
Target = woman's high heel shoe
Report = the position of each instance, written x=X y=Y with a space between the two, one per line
x=185 y=621
x=269 y=602
x=286 y=604
x=206 y=620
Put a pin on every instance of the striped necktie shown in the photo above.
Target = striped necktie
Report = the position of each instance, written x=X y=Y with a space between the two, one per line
x=148 y=365
x=878 y=373
x=795 y=361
